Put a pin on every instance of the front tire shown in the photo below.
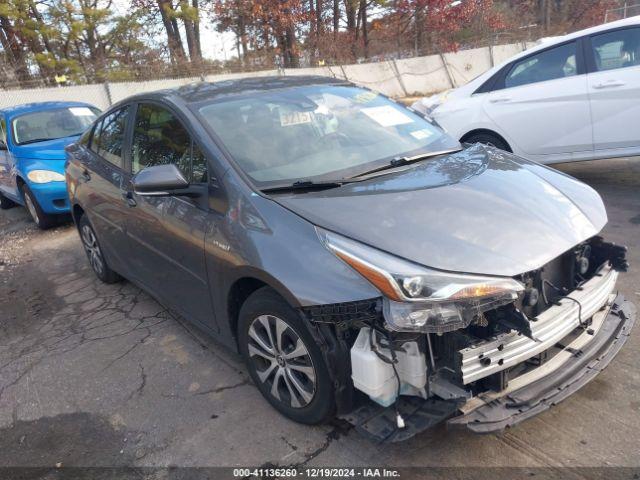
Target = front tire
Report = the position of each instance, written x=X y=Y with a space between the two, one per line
x=283 y=359
x=42 y=220
x=5 y=203
x=94 y=252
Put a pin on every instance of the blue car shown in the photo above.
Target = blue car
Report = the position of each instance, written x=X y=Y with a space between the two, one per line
x=32 y=157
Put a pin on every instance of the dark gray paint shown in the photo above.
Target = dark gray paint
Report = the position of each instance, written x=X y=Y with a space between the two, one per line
x=158 y=180
x=477 y=211
x=480 y=211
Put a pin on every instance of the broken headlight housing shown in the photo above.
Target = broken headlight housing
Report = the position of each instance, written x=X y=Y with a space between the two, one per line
x=420 y=299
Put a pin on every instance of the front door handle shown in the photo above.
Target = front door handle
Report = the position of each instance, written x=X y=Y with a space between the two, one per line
x=609 y=84
x=500 y=100
x=85 y=175
x=128 y=196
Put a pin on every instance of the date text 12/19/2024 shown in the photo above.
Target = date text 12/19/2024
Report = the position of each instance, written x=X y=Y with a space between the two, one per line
x=320 y=472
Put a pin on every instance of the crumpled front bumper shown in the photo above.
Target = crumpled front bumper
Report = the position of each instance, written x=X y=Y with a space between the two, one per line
x=534 y=392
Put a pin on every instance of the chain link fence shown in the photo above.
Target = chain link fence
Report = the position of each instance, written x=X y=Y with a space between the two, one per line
x=396 y=77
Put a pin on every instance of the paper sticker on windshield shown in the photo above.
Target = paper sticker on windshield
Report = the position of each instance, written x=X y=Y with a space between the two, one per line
x=365 y=97
x=421 y=134
x=81 y=111
x=387 y=116
x=294 y=118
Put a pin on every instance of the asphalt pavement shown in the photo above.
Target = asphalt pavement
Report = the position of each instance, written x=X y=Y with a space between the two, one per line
x=102 y=375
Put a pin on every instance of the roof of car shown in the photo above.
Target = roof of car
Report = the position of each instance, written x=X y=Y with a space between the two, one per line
x=199 y=91
x=39 y=106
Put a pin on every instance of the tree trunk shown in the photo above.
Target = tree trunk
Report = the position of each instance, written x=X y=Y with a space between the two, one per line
x=313 y=33
x=336 y=17
x=545 y=8
x=38 y=17
x=194 y=4
x=418 y=20
x=242 y=33
x=291 y=58
x=190 y=34
x=174 y=42
x=13 y=48
x=363 y=24
x=319 y=24
x=351 y=15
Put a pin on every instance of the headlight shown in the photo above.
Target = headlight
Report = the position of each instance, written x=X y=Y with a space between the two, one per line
x=44 y=176
x=417 y=298
x=428 y=104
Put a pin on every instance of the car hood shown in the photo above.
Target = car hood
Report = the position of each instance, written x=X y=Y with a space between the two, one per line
x=480 y=210
x=47 y=150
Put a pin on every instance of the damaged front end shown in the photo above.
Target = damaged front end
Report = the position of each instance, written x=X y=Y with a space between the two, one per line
x=480 y=351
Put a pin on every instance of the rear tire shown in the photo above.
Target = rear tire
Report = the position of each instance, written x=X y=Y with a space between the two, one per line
x=487 y=138
x=42 y=220
x=94 y=252
x=5 y=203
x=283 y=358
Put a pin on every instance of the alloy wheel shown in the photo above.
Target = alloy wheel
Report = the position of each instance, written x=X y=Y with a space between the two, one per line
x=31 y=208
x=92 y=248
x=282 y=361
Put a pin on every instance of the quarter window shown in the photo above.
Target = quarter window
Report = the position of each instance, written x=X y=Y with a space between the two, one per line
x=160 y=139
x=554 y=63
x=109 y=136
x=619 y=49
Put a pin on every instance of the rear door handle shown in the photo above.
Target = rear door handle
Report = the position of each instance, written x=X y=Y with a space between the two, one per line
x=128 y=196
x=609 y=84
x=500 y=100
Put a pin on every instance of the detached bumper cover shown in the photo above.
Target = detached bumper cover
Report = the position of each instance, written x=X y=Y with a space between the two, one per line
x=497 y=413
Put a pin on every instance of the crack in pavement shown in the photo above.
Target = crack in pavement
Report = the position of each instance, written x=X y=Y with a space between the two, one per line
x=143 y=383
x=222 y=389
x=113 y=313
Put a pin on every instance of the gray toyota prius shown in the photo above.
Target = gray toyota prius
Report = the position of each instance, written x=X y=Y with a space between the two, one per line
x=364 y=264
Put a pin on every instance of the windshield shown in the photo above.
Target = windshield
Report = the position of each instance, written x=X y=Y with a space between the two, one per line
x=319 y=132
x=51 y=124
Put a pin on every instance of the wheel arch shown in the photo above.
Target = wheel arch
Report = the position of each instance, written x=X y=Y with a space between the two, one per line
x=485 y=131
x=19 y=183
x=76 y=212
x=243 y=286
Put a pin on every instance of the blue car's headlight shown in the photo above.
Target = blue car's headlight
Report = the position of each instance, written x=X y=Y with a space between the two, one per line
x=45 y=176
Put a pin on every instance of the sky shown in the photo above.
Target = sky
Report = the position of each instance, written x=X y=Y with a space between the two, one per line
x=216 y=45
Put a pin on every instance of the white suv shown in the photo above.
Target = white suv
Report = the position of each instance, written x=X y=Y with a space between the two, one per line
x=575 y=97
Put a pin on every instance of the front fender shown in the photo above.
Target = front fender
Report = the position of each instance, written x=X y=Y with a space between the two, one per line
x=284 y=252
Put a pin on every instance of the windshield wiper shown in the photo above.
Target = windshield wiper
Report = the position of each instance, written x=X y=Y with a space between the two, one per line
x=400 y=161
x=35 y=140
x=305 y=185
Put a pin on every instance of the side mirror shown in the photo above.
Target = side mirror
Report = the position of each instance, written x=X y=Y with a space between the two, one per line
x=159 y=180
x=3 y=146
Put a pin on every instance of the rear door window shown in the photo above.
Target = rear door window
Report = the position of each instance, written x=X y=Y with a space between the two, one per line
x=159 y=138
x=617 y=49
x=559 y=62
x=108 y=137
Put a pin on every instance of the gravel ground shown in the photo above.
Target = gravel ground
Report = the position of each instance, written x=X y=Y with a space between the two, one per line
x=102 y=375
